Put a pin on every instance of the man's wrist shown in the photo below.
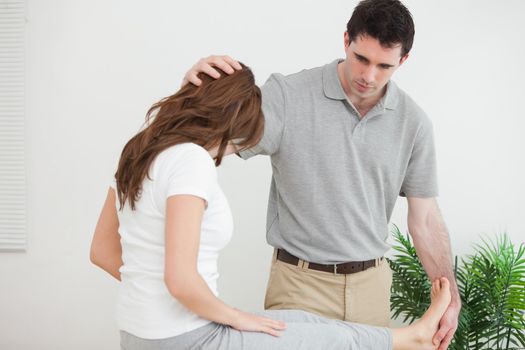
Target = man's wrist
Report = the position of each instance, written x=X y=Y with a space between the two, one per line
x=455 y=302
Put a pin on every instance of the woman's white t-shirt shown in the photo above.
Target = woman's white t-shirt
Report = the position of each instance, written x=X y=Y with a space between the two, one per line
x=145 y=307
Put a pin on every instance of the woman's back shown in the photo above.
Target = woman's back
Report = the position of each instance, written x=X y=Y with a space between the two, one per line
x=145 y=306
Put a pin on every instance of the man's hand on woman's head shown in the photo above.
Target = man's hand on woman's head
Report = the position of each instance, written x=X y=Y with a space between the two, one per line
x=206 y=65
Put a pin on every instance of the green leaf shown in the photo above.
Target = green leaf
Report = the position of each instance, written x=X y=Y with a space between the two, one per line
x=491 y=283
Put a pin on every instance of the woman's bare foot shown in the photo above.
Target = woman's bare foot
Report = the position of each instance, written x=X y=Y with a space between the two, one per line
x=418 y=336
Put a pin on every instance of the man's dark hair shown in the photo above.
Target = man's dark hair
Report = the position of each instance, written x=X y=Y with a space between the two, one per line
x=388 y=21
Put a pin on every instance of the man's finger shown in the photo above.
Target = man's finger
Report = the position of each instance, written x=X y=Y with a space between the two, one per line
x=191 y=78
x=440 y=335
x=221 y=63
x=206 y=68
x=446 y=341
x=235 y=64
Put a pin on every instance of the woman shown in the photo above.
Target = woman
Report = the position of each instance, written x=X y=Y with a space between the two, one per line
x=173 y=219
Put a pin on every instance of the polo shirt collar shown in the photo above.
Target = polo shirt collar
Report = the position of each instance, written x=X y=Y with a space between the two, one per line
x=390 y=99
x=331 y=84
x=334 y=90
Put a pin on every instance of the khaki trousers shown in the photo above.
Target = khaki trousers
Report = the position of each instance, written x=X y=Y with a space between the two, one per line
x=362 y=297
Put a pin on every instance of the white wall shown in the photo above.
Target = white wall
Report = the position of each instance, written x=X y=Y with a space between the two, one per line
x=94 y=67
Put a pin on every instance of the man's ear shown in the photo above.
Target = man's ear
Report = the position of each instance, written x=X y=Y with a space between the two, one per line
x=403 y=59
x=346 y=40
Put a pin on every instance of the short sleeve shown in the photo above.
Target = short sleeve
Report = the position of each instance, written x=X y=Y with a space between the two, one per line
x=190 y=171
x=273 y=106
x=421 y=174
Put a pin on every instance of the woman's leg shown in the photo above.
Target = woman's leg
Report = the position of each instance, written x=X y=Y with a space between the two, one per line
x=308 y=331
x=417 y=336
x=304 y=331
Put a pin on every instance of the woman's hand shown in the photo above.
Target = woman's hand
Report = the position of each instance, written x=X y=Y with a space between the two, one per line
x=252 y=323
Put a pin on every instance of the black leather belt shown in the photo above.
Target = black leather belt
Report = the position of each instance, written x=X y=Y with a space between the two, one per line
x=343 y=268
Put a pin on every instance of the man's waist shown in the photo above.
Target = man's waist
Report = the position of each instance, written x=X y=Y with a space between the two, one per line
x=343 y=268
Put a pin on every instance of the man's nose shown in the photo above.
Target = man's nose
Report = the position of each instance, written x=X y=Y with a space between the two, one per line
x=369 y=74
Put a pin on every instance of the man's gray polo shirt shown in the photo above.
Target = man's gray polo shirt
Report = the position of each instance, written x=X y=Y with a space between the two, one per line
x=336 y=177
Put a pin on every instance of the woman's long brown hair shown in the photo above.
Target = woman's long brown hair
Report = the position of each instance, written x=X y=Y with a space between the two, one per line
x=210 y=115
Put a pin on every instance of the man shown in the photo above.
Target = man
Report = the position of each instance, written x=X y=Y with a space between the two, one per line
x=344 y=142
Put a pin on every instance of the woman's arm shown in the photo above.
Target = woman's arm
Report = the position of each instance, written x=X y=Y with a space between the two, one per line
x=183 y=223
x=106 y=251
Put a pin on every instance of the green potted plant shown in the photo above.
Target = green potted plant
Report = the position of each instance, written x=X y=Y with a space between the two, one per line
x=491 y=284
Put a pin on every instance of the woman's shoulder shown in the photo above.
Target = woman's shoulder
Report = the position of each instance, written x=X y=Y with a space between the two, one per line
x=187 y=154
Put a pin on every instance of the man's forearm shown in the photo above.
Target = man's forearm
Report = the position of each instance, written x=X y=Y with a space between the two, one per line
x=432 y=243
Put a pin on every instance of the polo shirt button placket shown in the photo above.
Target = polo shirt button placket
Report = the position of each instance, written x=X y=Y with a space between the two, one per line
x=357 y=130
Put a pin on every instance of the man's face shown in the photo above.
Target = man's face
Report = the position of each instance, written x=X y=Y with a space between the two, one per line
x=369 y=66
